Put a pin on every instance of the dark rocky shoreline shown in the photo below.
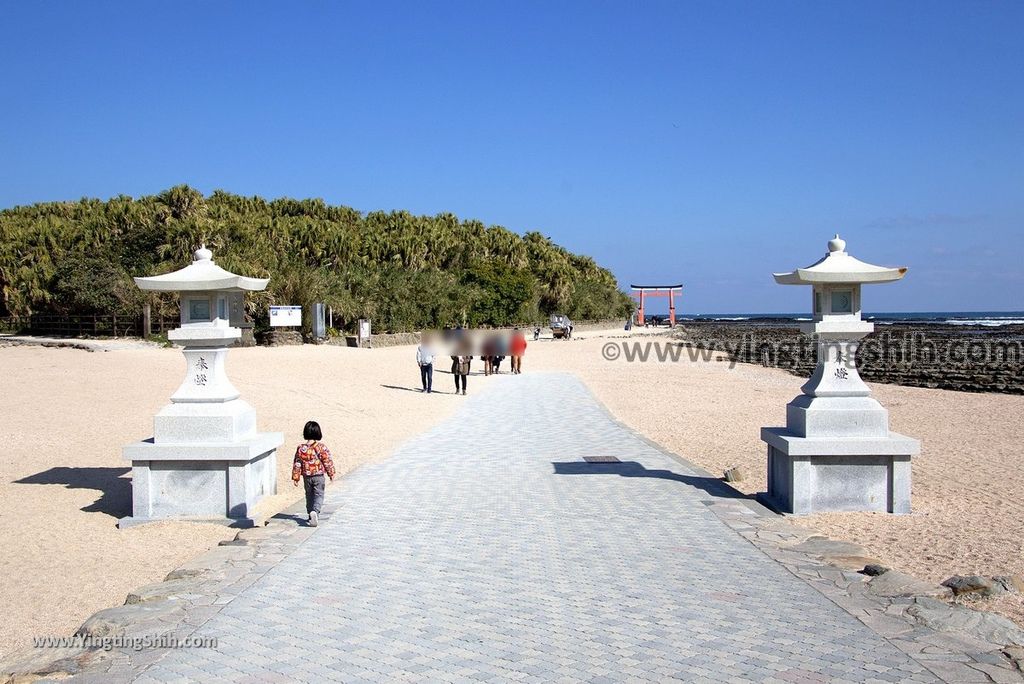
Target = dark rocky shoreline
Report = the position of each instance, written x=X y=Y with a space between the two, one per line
x=956 y=357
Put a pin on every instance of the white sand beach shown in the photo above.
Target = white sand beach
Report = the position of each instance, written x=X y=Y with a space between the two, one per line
x=66 y=414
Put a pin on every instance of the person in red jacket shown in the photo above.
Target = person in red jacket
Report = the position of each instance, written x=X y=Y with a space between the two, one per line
x=517 y=348
x=312 y=462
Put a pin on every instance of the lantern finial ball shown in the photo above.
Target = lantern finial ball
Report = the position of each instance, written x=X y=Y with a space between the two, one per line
x=837 y=244
x=203 y=254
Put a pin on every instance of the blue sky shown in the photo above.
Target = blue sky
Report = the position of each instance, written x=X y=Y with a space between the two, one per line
x=705 y=143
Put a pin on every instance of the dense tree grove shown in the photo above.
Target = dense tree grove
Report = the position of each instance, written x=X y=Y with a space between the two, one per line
x=402 y=271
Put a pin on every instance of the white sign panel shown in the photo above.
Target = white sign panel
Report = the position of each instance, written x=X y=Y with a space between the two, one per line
x=364 y=329
x=285 y=316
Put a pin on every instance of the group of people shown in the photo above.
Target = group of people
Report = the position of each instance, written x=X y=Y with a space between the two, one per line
x=492 y=350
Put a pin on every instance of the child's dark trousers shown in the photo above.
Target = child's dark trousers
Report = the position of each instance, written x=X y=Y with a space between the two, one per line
x=314 y=492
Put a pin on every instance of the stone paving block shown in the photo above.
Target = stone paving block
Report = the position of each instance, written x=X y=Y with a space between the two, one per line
x=957 y=672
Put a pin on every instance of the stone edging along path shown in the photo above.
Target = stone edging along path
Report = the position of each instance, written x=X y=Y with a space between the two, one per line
x=176 y=607
x=952 y=642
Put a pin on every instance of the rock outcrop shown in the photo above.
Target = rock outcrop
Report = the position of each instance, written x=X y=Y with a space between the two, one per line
x=966 y=358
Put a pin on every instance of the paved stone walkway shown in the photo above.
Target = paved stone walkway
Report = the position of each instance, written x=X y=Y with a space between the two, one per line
x=488 y=549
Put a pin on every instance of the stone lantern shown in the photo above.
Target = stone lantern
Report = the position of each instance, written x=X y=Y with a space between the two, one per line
x=836 y=452
x=205 y=460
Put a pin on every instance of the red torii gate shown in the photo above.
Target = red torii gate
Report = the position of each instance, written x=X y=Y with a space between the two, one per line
x=655 y=291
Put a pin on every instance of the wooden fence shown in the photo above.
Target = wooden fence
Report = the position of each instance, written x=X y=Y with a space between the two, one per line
x=96 y=325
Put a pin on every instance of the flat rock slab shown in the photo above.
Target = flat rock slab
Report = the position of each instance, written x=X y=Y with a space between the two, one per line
x=823 y=546
x=135 y=619
x=55 y=663
x=855 y=562
x=945 y=617
x=162 y=591
x=894 y=583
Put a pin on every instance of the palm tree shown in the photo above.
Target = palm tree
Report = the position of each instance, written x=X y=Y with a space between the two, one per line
x=404 y=269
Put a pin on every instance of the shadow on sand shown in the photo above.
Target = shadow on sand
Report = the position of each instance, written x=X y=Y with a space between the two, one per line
x=396 y=387
x=711 y=485
x=115 y=490
x=414 y=389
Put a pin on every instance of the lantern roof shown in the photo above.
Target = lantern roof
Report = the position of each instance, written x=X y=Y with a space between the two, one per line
x=839 y=267
x=201 y=274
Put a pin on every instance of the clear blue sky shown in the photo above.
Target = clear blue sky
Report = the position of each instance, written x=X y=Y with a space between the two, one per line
x=709 y=143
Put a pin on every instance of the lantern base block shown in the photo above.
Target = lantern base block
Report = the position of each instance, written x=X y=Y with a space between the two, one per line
x=202 y=482
x=837 y=417
x=180 y=423
x=817 y=475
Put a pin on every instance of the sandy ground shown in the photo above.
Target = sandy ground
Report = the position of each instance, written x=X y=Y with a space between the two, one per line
x=65 y=413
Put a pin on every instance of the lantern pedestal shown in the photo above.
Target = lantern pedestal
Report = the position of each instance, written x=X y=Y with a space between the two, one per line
x=814 y=475
x=205 y=461
x=213 y=482
x=836 y=452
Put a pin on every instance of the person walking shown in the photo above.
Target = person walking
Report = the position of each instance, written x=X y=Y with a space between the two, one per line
x=460 y=365
x=500 y=352
x=460 y=370
x=312 y=462
x=487 y=354
x=517 y=348
x=425 y=360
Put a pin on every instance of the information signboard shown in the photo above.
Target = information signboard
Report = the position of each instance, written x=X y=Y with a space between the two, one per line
x=285 y=316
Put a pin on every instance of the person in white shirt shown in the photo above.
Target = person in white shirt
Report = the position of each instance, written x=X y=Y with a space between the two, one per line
x=425 y=360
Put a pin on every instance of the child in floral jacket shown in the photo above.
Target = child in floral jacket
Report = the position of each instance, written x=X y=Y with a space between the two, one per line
x=312 y=461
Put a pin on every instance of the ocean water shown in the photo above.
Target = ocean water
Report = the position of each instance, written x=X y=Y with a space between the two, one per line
x=988 y=319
